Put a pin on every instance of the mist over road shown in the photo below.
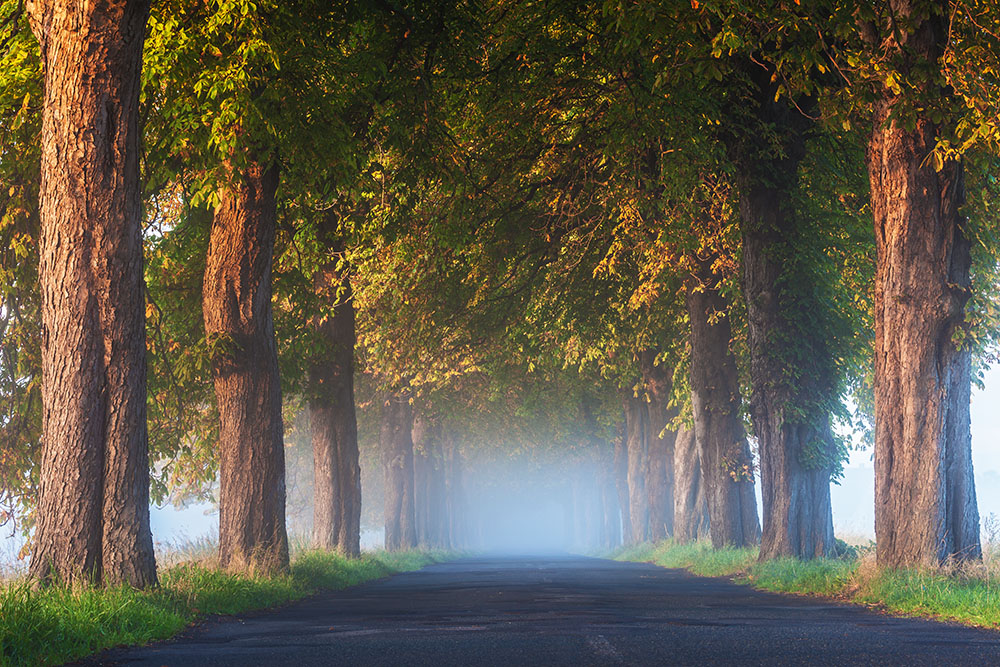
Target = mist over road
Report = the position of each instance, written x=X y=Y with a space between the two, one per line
x=564 y=611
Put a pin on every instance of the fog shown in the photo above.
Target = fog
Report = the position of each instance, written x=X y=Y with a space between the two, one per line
x=526 y=504
x=534 y=523
x=529 y=506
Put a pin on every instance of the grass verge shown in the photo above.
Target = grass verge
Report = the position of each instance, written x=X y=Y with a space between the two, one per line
x=967 y=594
x=58 y=624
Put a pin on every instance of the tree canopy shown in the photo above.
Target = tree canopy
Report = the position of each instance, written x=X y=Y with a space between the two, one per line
x=520 y=199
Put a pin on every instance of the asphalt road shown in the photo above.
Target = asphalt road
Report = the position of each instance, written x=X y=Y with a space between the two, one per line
x=564 y=611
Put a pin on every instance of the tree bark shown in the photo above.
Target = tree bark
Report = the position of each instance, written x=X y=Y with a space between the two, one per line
x=792 y=373
x=660 y=448
x=925 y=500
x=236 y=300
x=333 y=422
x=690 y=502
x=621 y=483
x=636 y=443
x=396 y=442
x=93 y=507
x=726 y=461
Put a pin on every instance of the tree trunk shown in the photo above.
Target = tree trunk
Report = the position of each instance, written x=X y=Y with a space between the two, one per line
x=925 y=500
x=429 y=488
x=791 y=370
x=612 y=529
x=236 y=300
x=726 y=461
x=621 y=483
x=93 y=507
x=396 y=441
x=455 y=537
x=333 y=423
x=660 y=470
x=437 y=500
x=596 y=536
x=422 y=446
x=636 y=429
x=690 y=502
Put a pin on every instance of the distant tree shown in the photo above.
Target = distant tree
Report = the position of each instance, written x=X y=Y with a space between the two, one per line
x=794 y=382
x=727 y=466
x=396 y=444
x=332 y=421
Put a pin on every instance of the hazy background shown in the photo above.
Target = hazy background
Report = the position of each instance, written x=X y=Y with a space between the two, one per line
x=525 y=508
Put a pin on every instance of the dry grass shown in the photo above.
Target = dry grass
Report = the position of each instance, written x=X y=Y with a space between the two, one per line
x=203 y=551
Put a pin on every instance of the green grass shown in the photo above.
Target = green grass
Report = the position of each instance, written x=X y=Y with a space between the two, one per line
x=59 y=624
x=968 y=594
x=698 y=557
x=973 y=600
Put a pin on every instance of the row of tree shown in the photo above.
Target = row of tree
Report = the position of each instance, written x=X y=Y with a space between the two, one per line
x=629 y=231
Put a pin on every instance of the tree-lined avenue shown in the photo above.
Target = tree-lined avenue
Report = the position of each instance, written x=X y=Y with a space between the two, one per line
x=563 y=610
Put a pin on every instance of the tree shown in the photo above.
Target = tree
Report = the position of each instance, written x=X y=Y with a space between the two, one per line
x=925 y=500
x=238 y=316
x=396 y=445
x=332 y=421
x=636 y=443
x=429 y=482
x=691 y=521
x=93 y=514
x=237 y=89
x=661 y=436
x=726 y=462
x=793 y=380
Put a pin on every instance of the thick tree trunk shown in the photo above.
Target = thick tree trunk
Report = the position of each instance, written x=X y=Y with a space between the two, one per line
x=621 y=483
x=726 y=461
x=791 y=369
x=236 y=301
x=396 y=442
x=333 y=423
x=690 y=502
x=925 y=500
x=660 y=470
x=93 y=507
x=636 y=443
x=429 y=488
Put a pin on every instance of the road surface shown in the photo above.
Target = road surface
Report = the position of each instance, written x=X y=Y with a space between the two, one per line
x=563 y=611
